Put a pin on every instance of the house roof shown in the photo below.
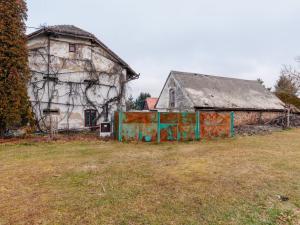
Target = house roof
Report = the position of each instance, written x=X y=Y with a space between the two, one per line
x=73 y=31
x=206 y=91
x=150 y=103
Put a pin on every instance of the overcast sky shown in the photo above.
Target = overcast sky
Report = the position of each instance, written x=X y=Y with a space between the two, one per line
x=235 y=38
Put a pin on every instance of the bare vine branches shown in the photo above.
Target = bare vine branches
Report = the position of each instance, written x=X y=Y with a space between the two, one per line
x=67 y=81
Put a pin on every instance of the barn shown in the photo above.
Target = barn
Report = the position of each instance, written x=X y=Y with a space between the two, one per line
x=250 y=101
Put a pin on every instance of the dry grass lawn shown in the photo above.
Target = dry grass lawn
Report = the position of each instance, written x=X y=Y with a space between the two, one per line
x=233 y=181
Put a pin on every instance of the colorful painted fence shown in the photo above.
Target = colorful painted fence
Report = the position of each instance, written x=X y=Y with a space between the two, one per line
x=165 y=126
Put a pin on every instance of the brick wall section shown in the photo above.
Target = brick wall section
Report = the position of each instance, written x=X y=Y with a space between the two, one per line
x=253 y=118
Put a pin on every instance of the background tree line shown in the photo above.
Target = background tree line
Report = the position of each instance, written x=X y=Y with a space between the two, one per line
x=287 y=87
x=138 y=103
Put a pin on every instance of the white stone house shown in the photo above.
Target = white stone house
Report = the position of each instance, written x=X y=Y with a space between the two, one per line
x=77 y=82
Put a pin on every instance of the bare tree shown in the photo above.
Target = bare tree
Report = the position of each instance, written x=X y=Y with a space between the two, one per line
x=287 y=88
x=291 y=76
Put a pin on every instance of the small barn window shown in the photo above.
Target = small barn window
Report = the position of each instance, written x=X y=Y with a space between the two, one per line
x=172 y=98
x=90 y=116
x=72 y=47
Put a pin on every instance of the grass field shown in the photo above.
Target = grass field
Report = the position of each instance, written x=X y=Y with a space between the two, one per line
x=233 y=181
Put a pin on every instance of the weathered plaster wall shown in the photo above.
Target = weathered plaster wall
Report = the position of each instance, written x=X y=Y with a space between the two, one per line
x=71 y=71
x=182 y=103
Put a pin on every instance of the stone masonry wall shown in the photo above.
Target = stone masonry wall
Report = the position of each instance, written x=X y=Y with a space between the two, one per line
x=254 y=118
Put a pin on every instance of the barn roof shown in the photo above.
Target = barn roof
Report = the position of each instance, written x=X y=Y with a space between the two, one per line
x=73 y=31
x=207 y=91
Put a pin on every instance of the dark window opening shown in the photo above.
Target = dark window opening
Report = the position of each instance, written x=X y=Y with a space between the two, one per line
x=172 y=98
x=50 y=111
x=50 y=78
x=90 y=81
x=90 y=116
x=72 y=48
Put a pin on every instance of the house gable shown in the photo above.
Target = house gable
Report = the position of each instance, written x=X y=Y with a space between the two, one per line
x=182 y=101
x=70 y=32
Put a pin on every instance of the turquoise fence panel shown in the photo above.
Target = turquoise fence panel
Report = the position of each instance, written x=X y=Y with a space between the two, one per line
x=232 y=132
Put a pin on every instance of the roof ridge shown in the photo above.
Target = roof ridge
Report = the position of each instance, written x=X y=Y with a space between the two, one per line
x=70 y=26
x=209 y=75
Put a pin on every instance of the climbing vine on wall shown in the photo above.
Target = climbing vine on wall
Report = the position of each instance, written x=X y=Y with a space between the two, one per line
x=53 y=79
